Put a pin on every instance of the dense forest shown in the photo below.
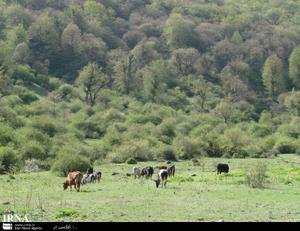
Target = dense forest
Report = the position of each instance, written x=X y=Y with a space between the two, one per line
x=85 y=82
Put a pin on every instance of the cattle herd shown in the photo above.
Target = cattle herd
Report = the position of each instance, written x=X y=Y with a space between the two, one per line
x=75 y=178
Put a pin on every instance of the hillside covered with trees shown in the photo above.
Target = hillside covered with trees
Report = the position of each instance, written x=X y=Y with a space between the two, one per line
x=108 y=80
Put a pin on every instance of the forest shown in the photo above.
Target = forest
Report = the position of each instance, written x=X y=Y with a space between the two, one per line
x=116 y=81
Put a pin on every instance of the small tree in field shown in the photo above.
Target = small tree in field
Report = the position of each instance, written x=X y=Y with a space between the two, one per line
x=91 y=79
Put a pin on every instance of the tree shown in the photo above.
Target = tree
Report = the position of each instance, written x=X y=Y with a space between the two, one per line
x=294 y=67
x=154 y=76
x=273 y=76
x=133 y=37
x=124 y=69
x=145 y=52
x=226 y=110
x=292 y=102
x=70 y=37
x=92 y=80
x=184 y=60
x=178 y=31
x=43 y=38
x=21 y=53
x=5 y=83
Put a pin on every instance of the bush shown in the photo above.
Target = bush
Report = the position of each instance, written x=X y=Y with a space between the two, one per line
x=25 y=95
x=34 y=150
x=285 y=145
x=91 y=129
x=166 y=153
x=256 y=175
x=66 y=91
x=6 y=134
x=9 y=160
x=46 y=124
x=76 y=106
x=140 y=150
x=131 y=161
x=54 y=83
x=69 y=160
x=186 y=147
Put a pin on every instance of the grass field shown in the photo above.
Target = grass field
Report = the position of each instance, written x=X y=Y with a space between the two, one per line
x=204 y=197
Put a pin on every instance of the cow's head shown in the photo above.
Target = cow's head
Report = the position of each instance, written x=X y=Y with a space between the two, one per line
x=157 y=182
x=65 y=185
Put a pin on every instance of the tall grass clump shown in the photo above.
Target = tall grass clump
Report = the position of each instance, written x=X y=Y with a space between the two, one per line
x=256 y=175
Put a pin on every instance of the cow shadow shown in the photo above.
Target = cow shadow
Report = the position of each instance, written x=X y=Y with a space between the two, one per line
x=89 y=190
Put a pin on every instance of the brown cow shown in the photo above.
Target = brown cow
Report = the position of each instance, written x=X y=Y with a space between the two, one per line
x=73 y=178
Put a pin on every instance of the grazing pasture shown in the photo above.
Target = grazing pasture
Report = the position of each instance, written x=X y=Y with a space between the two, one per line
x=194 y=194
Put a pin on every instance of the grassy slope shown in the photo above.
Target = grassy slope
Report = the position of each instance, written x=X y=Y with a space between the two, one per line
x=205 y=197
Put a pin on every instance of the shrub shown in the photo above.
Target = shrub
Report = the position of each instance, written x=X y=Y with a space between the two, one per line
x=166 y=153
x=10 y=116
x=260 y=130
x=285 y=145
x=140 y=150
x=68 y=159
x=186 y=147
x=76 y=106
x=34 y=150
x=46 y=125
x=6 y=134
x=66 y=91
x=256 y=175
x=54 y=83
x=91 y=129
x=24 y=73
x=131 y=161
x=9 y=160
x=25 y=95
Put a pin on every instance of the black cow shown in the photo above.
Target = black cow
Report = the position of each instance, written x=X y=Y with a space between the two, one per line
x=222 y=168
x=147 y=172
x=97 y=175
x=90 y=171
x=171 y=170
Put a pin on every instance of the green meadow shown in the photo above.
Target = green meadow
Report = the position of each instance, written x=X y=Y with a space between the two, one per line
x=196 y=193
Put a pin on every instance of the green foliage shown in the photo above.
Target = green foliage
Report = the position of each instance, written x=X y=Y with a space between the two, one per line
x=25 y=95
x=9 y=160
x=6 y=134
x=178 y=31
x=131 y=161
x=139 y=150
x=292 y=102
x=294 y=67
x=91 y=79
x=66 y=212
x=166 y=152
x=186 y=148
x=285 y=145
x=23 y=73
x=45 y=124
x=273 y=76
x=69 y=159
